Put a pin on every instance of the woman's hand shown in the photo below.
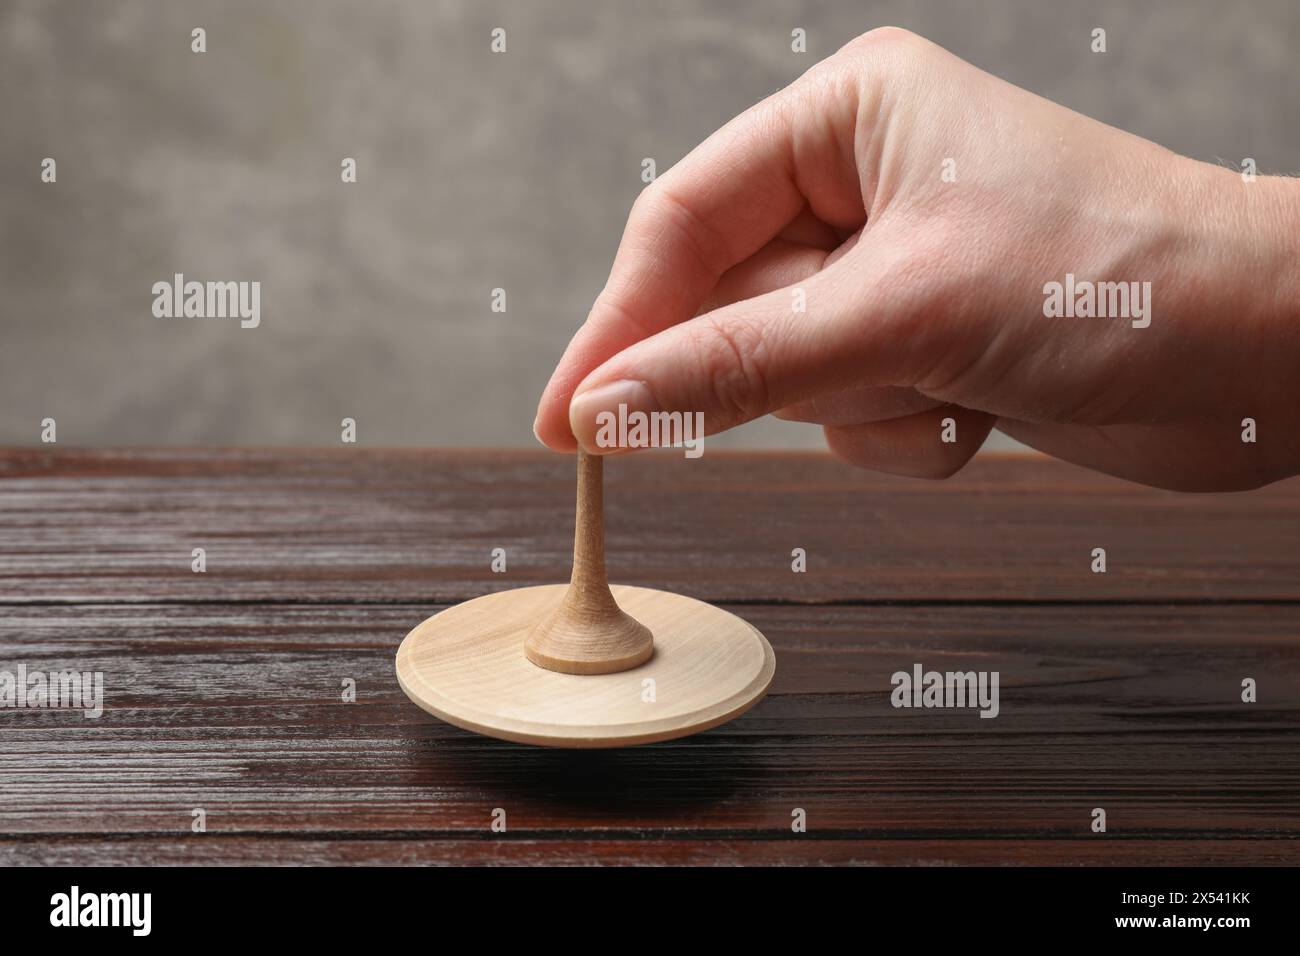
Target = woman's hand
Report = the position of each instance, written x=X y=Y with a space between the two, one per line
x=871 y=249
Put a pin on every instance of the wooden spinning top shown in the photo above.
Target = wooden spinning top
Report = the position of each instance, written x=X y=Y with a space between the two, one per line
x=585 y=665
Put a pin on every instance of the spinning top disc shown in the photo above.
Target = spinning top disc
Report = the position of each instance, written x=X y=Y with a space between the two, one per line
x=467 y=666
x=585 y=665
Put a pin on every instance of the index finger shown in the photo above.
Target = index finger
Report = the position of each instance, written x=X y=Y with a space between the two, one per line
x=714 y=209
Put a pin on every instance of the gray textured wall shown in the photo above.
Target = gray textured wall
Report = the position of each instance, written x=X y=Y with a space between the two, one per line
x=476 y=170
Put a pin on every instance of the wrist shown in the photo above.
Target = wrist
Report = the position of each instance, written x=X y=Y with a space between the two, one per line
x=1253 y=226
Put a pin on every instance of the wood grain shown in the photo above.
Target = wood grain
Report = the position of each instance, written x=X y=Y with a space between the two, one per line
x=419 y=526
x=415 y=850
x=223 y=691
x=1125 y=707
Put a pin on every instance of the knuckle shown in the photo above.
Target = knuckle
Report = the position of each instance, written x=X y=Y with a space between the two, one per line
x=645 y=200
x=732 y=356
x=887 y=36
x=891 y=49
x=610 y=311
x=638 y=214
x=659 y=207
x=647 y=213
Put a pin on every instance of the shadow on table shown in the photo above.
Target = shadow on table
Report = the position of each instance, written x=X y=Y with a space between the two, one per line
x=693 y=772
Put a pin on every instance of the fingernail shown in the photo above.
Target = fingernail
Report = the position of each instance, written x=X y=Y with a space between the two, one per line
x=537 y=436
x=594 y=414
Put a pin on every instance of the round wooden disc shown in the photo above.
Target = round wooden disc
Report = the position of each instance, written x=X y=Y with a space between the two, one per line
x=467 y=666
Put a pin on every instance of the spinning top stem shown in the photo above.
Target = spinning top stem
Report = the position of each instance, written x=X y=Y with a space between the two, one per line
x=587 y=632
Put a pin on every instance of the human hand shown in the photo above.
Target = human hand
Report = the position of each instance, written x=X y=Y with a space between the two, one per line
x=919 y=208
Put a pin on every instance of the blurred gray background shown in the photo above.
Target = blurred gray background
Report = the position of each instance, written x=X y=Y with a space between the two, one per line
x=476 y=171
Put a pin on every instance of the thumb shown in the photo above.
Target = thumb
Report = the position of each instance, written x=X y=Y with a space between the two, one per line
x=750 y=358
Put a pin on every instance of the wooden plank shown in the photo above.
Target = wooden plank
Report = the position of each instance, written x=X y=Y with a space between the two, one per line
x=418 y=526
x=236 y=709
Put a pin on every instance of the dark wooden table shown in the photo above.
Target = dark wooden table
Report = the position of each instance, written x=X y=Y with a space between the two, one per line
x=223 y=690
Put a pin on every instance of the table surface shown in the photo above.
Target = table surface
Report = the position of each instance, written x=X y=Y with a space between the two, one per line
x=223 y=689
